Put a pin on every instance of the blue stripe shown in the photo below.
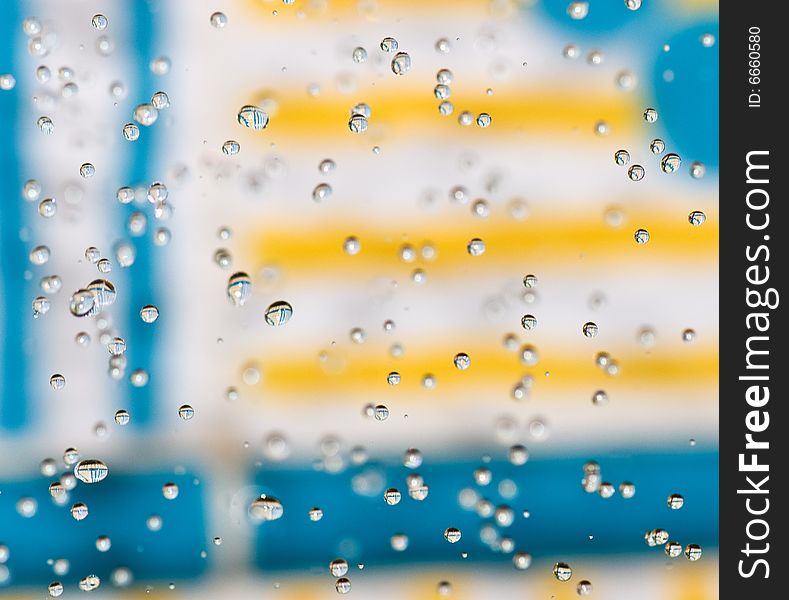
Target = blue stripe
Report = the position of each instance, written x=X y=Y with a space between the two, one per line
x=118 y=507
x=563 y=516
x=15 y=312
x=143 y=160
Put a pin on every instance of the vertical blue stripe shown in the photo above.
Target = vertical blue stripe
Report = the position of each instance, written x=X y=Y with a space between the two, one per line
x=15 y=311
x=143 y=156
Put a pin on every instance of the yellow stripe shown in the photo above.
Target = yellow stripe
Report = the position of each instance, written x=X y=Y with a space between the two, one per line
x=694 y=581
x=402 y=107
x=712 y=6
x=351 y=371
x=542 y=239
x=372 y=10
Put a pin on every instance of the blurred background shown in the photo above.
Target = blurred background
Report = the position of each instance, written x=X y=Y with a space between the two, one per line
x=366 y=236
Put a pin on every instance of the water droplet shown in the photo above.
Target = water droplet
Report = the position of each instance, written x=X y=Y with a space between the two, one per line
x=441 y=91
x=518 y=455
x=103 y=543
x=627 y=490
x=693 y=552
x=399 y=542
x=529 y=322
x=351 y=246
x=483 y=120
x=392 y=496
x=521 y=560
x=697 y=218
x=571 y=51
x=657 y=146
x=584 y=587
x=393 y=378
x=636 y=173
x=462 y=361
x=79 y=511
x=675 y=501
x=444 y=76
x=475 y=247
x=149 y=313
x=45 y=125
x=697 y=170
x=87 y=170
x=443 y=46
x=357 y=123
x=170 y=491
x=27 y=507
x=31 y=26
x=707 y=40
x=40 y=306
x=160 y=65
x=160 y=100
x=31 y=190
x=670 y=163
x=562 y=571
x=90 y=471
x=452 y=535
x=218 y=20
x=47 y=208
x=599 y=398
x=446 y=108
x=578 y=10
x=57 y=381
x=342 y=585
x=595 y=57
x=82 y=303
x=223 y=258
x=601 y=128
x=116 y=346
x=239 y=288
x=278 y=313
x=688 y=335
x=641 y=236
x=465 y=118
x=322 y=191
x=103 y=292
x=359 y=55
x=265 y=508
x=122 y=417
x=99 y=22
x=483 y=476
x=381 y=412
x=626 y=80
x=673 y=549
x=252 y=117
x=55 y=589
x=656 y=537
x=231 y=147
x=606 y=489
x=444 y=588
x=401 y=63
x=131 y=132
x=51 y=284
x=89 y=583
x=186 y=412
x=139 y=378
x=621 y=157
x=389 y=44
x=589 y=329
x=7 y=82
